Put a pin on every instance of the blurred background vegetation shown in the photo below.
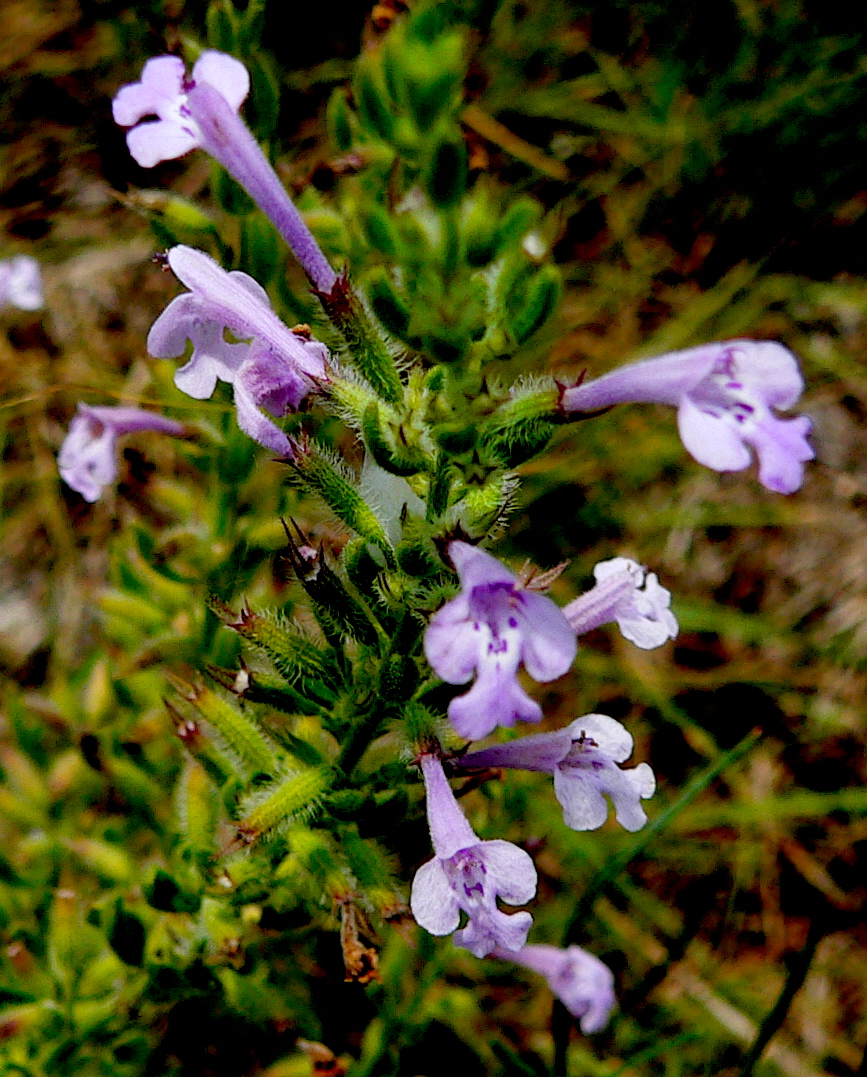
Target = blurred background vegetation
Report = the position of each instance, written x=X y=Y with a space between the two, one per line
x=702 y=173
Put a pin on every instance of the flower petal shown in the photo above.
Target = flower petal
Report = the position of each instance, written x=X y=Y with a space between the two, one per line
x=508 y=932
x=477 y=568
x=491 y=701
x=626 y=794
x=611 y=737
x=770 y=370
x=665 y=379
x=449 y=830
x=256 y=425
x=433 y=901
x=539 y=752
x=548 y=643
x=712 y=440
x=213 y=358
x=584 y=807
x=453 y=641
x=161 y=85
x=226 y=74
x=782 y=448
x=510 y=870
x=159 y=140
x=131 y=420
x=87 y=459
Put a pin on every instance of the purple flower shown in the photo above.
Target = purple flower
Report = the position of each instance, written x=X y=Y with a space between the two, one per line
x=468 y=875
x=21 y=283
x=203 y=112
x=725 y=394
x=583 y=983
x=162 y=92
x=272 y=370
x=583 y=758
x=623 y=593
x=491 y=628
x=87 y=460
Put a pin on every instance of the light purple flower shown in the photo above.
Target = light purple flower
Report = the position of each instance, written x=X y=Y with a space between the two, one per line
x=625 y=594
x=272 y=368
x=468 y=875
x=726 y=395
x=21 y=283
x=583 y=758
x=583 y=983
x=203 y=112
x=162 y=92
x=87 y=460
x=489 y=629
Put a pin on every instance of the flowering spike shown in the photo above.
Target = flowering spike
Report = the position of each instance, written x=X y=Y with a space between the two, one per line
x=468 y=875
x=583 y=758
x=491 y=628
x=625 y=594
x=582 y=982
x=87 y=460
x=725 y=394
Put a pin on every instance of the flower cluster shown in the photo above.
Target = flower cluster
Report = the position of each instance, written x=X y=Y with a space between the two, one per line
x=490 y=628
x=420 y=487
x=271 y=367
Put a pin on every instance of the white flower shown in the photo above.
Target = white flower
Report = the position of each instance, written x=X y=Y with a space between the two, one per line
x=623 y=593
x=21 y=283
